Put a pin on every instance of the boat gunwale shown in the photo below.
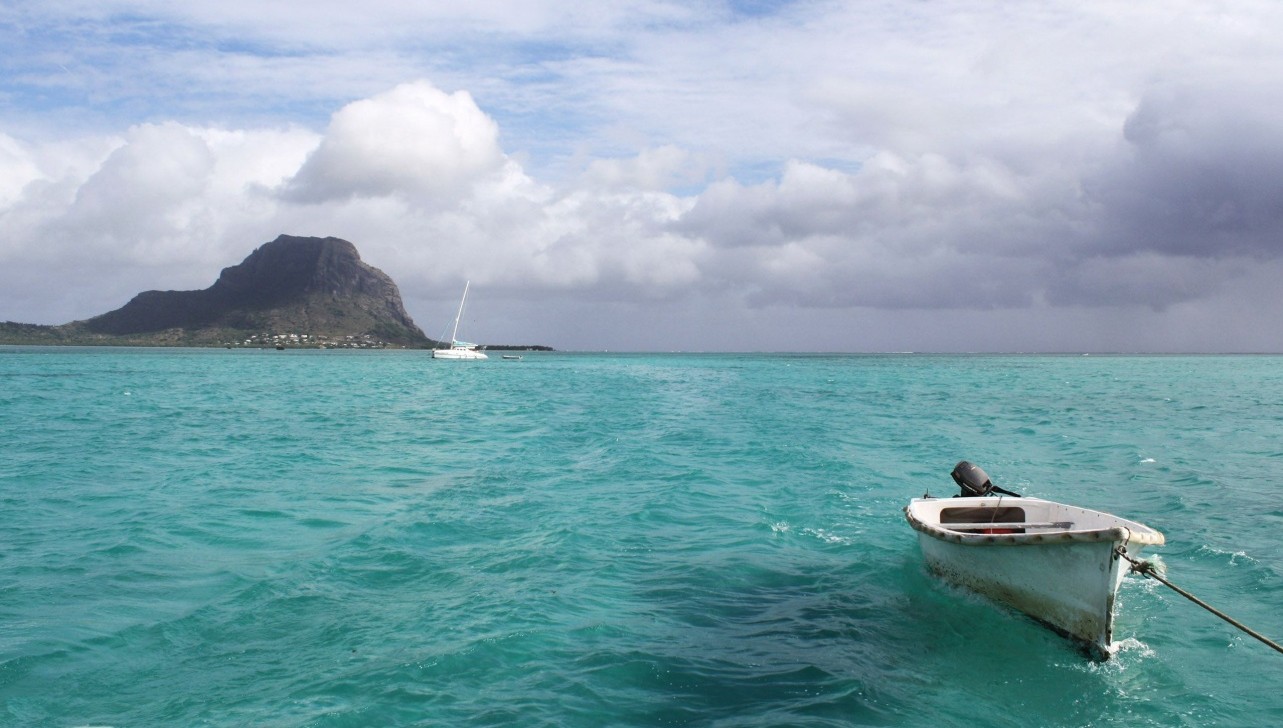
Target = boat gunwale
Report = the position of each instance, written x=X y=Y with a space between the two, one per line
x=1045 y=537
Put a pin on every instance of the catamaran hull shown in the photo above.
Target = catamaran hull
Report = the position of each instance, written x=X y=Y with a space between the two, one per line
x=458 y=354
x=1065 y=576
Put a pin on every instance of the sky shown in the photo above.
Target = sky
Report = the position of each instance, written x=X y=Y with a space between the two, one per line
x=656 y=175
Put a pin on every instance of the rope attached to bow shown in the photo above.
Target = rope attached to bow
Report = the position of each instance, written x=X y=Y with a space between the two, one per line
x=1146 y=568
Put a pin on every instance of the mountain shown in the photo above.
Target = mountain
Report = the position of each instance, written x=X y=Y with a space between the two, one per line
x=292 y=285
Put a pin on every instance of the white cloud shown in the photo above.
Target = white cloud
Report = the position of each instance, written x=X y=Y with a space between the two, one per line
x=414 y=140
x=17 y=170
x=658 y=169
x=140 y=194
x=164 y=206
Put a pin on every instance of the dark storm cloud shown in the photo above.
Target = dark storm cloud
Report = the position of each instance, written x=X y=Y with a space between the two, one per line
x=1201 y=175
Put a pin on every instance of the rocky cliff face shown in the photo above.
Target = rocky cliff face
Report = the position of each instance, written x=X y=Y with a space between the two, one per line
x=303 y=285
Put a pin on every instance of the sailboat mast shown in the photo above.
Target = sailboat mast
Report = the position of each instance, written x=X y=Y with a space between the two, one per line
x=454 y=335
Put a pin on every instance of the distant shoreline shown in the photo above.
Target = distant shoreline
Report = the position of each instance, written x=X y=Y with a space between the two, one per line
x=13 y=333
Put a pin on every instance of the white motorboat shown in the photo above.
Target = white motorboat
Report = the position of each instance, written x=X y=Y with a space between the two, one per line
x=1057 y=563
x=459 y=349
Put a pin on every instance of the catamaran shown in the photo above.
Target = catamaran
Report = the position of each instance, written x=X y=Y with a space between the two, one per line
x=459 y=349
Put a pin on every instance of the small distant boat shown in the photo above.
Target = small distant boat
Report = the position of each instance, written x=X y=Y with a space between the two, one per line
x=512 y=357
x=459 y=350
x=1057 y=563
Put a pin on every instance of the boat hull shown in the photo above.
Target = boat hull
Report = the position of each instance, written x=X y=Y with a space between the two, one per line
x=1065 y=577
x=458 y=354
x=1069 y=587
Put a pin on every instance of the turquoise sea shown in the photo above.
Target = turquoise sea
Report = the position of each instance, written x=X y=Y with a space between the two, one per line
x=320 y=538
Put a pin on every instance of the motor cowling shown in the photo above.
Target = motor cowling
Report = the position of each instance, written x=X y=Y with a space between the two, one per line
x=971 y=479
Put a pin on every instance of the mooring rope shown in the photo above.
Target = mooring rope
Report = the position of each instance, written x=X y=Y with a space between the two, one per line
x=1145 y=568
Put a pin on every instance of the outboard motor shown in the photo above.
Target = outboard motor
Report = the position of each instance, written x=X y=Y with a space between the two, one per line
x=975 y=482
x=972 y=480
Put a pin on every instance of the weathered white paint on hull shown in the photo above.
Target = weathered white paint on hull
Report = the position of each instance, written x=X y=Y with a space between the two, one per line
x=1068 y=586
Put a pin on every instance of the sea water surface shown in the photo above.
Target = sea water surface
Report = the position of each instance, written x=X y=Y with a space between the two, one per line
x=308 y=538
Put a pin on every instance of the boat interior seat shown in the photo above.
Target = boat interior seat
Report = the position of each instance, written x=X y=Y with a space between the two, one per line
x=1000 y=517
